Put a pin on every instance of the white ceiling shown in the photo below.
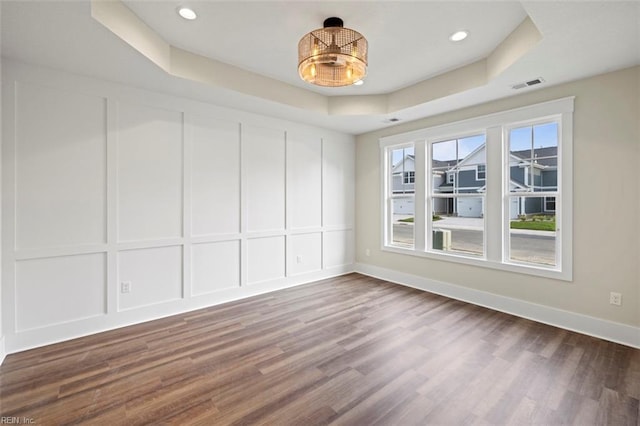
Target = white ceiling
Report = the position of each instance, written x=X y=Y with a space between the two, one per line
x=263 y=37
x=408 y=43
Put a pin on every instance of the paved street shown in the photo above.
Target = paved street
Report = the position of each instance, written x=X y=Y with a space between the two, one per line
x=538 y=247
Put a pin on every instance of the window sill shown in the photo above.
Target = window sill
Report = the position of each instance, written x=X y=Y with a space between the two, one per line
x=484 y=263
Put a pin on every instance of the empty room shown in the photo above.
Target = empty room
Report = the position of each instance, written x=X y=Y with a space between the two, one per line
x=316 y=212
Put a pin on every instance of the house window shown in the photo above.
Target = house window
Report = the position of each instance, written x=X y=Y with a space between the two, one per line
x=524 y=199
x=550 y=204
x=481 y=172
x=409 y=177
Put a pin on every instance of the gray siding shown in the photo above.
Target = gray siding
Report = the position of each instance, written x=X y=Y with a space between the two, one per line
x=517 y=174
x=550 y=178
x=533 y=205
x=467 y=178
x=397 y=185
x=537 y=180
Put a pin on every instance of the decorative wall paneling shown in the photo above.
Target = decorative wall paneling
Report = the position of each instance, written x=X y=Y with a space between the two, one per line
x=122 y=205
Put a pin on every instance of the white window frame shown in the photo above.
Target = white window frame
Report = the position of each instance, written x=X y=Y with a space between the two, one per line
x=532 y=193
x=409 y=177
x=431 y=195
x=497 y=186
x=545 y=203
x=478 y=172
x=390 y=196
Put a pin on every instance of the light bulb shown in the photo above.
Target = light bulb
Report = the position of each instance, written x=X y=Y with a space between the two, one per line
x=458 y=36
x=187 y=13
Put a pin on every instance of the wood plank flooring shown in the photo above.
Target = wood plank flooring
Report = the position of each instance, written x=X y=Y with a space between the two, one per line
x=352 y=350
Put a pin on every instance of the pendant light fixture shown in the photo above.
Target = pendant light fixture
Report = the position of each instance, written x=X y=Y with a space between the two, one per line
x=332 y=56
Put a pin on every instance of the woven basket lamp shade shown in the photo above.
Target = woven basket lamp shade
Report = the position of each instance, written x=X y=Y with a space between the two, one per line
x=332 y=56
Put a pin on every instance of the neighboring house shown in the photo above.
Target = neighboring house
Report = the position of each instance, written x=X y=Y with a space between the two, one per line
x=533 y=172
x=403 y=177
x=529 y=172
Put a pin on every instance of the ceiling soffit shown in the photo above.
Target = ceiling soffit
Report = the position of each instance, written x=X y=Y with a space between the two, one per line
x=120 y=20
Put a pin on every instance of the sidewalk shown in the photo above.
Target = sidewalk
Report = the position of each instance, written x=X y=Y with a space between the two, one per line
x=469 y=224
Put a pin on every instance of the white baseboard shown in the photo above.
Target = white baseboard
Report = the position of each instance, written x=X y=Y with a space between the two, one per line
x=604 y=329
x=29 y=339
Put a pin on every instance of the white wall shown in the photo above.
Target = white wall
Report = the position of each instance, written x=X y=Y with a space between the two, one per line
x=189 y=204
x=2 y=346
x=606 y=191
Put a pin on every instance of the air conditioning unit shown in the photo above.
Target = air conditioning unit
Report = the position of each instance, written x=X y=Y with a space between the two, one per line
x=442 y=239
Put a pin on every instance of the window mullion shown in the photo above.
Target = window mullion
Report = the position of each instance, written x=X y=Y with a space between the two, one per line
x=494 y=229
x=427 y=196
x=419 y=204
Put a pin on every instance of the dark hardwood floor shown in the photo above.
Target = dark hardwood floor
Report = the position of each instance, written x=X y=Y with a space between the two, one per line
x=351 y=350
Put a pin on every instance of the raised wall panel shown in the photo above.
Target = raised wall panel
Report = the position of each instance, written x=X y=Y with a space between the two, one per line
x=304 y=253
x=215 y=266
x=265 y=259
x=304 y=181
x=149 y=173
x=263 y=155
x=59 y=289
x=155 y=275
x=338 y=182
x=189 y=202
x=215 y=178
x=60 y=168
x=338 y=248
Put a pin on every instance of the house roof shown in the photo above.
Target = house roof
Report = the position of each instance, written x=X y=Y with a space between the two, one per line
x=407 y=156
x=444 y=165
x=547 y=156
x=437 y=164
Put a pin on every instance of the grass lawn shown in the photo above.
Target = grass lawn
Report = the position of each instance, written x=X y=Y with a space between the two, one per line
x=410 y=219
x=543 y=225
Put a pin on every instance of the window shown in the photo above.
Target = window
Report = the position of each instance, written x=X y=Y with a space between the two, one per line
x=451 y=177
x=481 y=172
x=533 y=177
x=457 y=210
x=409 y=177
x=401 y=199
x=550 y=204
x=490 y=191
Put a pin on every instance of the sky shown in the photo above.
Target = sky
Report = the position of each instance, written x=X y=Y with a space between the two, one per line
x=398 y=154
x=544 y=135
x=446 y=151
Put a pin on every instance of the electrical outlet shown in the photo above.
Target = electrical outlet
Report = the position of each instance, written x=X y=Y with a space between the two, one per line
x=298 y=259
x=125 y=287
x=615 y=298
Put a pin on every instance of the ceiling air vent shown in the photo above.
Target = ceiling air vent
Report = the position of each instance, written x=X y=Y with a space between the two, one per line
x=528 y=83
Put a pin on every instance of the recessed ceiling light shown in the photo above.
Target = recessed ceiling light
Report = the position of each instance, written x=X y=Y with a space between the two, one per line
x=359 y=83
x=187 y=13
x=458 y=36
